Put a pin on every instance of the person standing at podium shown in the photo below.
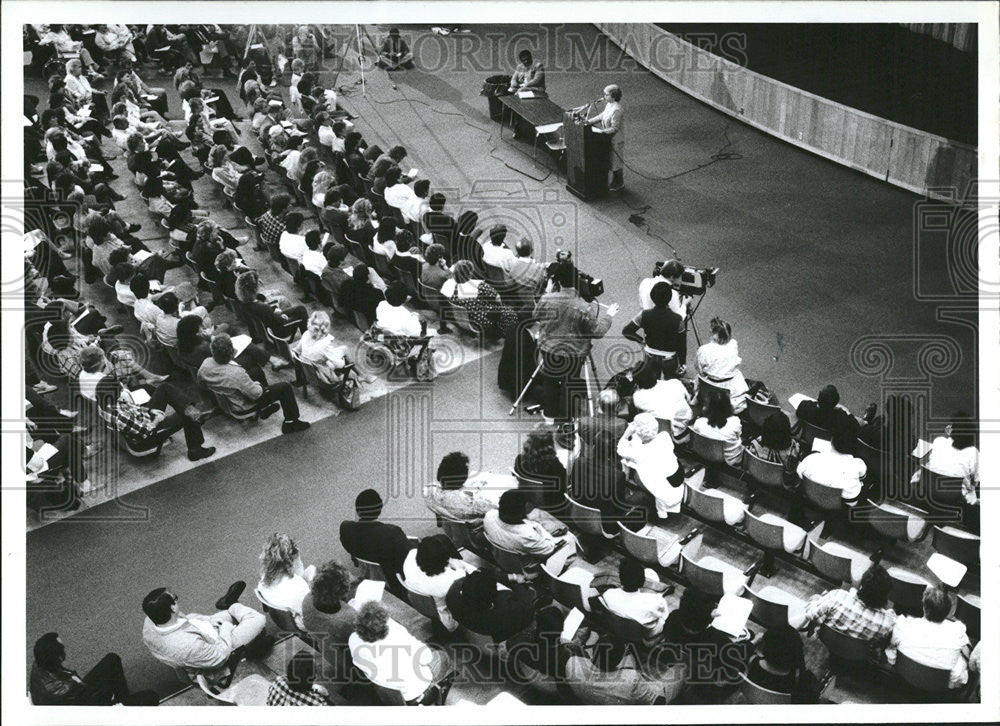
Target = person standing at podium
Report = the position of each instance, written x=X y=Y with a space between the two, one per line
x=611 y=121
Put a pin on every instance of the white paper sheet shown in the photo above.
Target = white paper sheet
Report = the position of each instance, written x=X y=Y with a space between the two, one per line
x=796 y=398
x=368 y=591
x=733 y=615
x=139 y=396
x=946 y=569
x=923 y=449
x=571 y=624
x=821 y=445
x=240 y=343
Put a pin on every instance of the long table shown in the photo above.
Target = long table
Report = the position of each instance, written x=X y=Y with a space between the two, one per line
x=542 y=114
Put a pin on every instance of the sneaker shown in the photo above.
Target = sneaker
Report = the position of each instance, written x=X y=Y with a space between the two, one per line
x=203 y=453
x=290 y=427
x=231 y=596
x=43 y=387
x=266 y=412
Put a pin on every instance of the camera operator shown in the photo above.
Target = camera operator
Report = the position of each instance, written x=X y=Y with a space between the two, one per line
x=567 y=326
x=673 y=272
x=663 y=333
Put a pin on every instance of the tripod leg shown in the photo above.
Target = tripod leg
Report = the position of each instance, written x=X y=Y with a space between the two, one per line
x=524 y=390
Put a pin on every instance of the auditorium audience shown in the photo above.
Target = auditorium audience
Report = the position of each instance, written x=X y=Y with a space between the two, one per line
x=374 y=541
x=539 y=472
x=836 y=467
x=827 y=413
x=480 y=604
x=718 y=363
x=648 y=454
x=328 y=616
x=666 y=398
x=775 y=444
x=629 y=600
x=779 y=665
x=529 y=531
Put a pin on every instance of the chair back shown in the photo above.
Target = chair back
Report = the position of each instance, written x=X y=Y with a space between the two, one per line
x=318 y=289
x=872 y=458
x=370 y=570
x=829 y=564
x=308 y=374
x=922 y=677
x=892 y=522
x=360 y=321
x=283 y=619
x=767 y=611
x=906 y=590
x=625 y=629
x=643 y=548
x=844 y=646
x=409 y=281
x=458 y=532
x=354 y=247
x=754 y=694
x=768 y=535
x=809 y=431
x=706 y=579
x=958 y=545
x=431 y=297
x=940 y=489
x=706 y=504
x=507 y=560
x=565 y=593
x=758 y=411
x=584 y=518
x=423 y=604
x=227 y=408
x=969 y=613
x=279 y=343
x=767 y=473
x=705 y=385
x=711 y=451
x=338 y=307
x=382 y=267
x=461 y=317
x=825 y=497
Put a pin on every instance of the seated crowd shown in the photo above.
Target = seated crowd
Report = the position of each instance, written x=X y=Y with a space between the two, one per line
x=378 y=248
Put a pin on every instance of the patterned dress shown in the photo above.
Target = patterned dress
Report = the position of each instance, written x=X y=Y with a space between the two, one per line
x=486 y=311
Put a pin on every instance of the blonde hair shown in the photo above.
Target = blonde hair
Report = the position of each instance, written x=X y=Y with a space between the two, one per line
x=614 y=91
x=277 y=558
x=319 y=324
x=646 y=427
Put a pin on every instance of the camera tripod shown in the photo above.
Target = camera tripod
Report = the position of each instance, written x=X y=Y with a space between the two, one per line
x=690 y=319
x=583 y=371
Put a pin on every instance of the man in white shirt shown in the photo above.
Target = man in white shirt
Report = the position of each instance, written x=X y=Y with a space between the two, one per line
x=495 y=252
x=666 y=399
x=200 y=644
x=145 y=310
x=649 y=609
x=331 y=133
x=397 y=193
x=933 y=640
x=292 y=244
x=836 y=467
x=393 y=318
x=415 y=209
x=313 y=259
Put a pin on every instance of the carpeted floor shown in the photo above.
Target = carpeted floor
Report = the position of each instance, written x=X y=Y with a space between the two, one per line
x=813 y=257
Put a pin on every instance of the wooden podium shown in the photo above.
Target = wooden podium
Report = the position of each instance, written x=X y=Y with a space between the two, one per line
x=588 y=159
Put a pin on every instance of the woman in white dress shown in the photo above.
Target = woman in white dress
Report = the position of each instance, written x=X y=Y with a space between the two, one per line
x=611 y=121
x=718 y=363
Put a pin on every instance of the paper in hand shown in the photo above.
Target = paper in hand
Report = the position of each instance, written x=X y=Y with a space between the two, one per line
x=139 y=396
x=796 y=398
x=412 y=173
x=240 y=343
x=733 y=615
x=571 y=624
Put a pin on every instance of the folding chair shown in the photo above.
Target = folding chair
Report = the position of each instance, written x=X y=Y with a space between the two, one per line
x=770 y=474
x=906 y=590
x=773 y=534
x=569 y=594
x=758 y=695
x=957 y=544
x=897 y=522
x=423 y=604
x=922 y=677
x=759 y=411
x=826 y=498
x=710 y=574
x=586 y=519
x=772 y=605
x=711 y=451
x=845 y=649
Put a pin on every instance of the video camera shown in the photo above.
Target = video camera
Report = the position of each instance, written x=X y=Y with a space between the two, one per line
x=694 y=280
x=589 y=287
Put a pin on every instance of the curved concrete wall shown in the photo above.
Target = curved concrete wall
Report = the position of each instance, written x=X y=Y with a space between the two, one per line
x=904 y=156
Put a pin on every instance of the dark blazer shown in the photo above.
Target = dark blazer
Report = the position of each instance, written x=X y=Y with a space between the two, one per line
x=827 y=418
x=378 y=542
x=443 y=224
x=512 y=611
x=553 y=476
x=267 y=314
x=363 y=298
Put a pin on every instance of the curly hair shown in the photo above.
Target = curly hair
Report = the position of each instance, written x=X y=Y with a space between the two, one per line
x=538 y=447
x=464 y=271
x=277 y=558
x=361 y=213
x=206 y=230
x=247 y=285
x=373 y=622
x=319 y=324
x=331 y=586
x=646 y=426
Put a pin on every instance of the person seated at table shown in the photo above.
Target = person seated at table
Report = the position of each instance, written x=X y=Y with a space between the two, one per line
x=487 y=311
x=837 y=467
x=203 y=645
x=933 y=640
x=667 y=399
x=649 y=453
x=455 y=496
x=222 y=378
x=827 y=413
x=720 y=423
x=297 y=686
x=775 y=444
x=284 y=581
x=394 y=52
x=51 y=683
x=515 y=528
x=529 y=74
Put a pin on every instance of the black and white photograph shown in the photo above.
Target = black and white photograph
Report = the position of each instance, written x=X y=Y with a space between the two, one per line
x=524 y=360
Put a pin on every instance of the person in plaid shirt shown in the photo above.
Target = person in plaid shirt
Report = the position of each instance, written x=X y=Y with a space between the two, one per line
x=296 y=687
x=272 y=222
x=860 y=612
x=149 y=425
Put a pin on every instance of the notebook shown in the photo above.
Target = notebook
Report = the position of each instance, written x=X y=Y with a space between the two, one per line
x=139 y=396
x=577 y=576
x=368 y=591
x=412 y=173
x=240 y=343
x=733 y=613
